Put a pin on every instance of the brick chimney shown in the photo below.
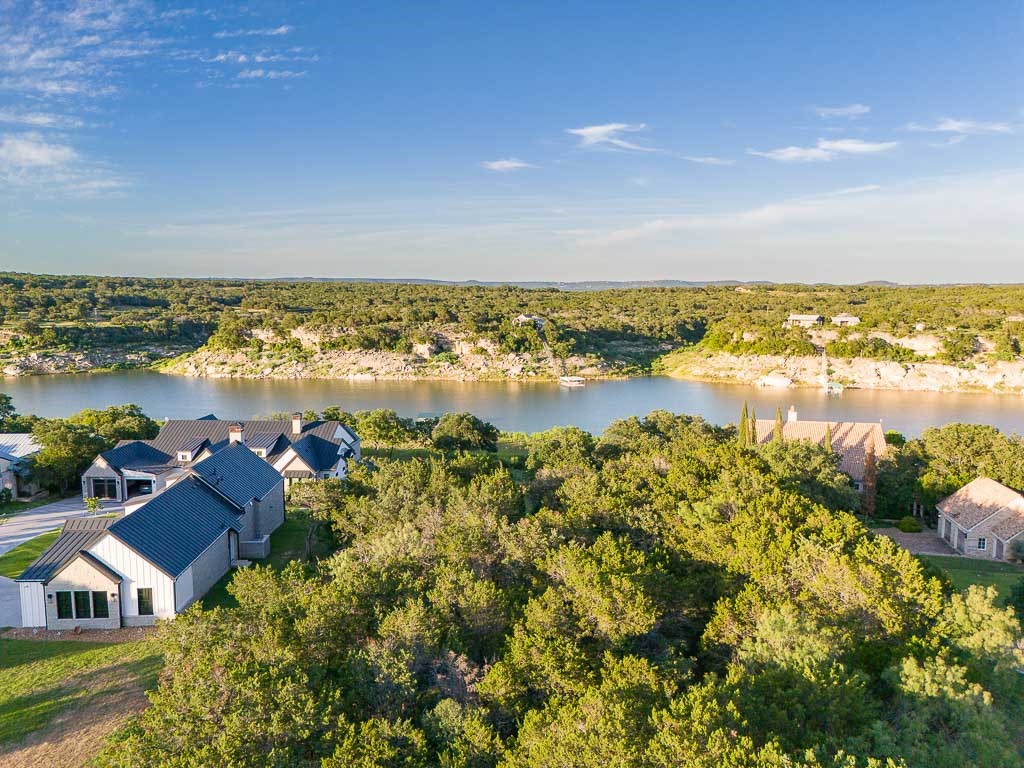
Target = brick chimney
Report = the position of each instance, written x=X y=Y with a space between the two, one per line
x=792 y=415
x=296 y=423
x=236 y=434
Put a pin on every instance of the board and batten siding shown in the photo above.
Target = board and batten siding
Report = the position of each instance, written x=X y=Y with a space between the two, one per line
x=138 y=572
x=33 y=604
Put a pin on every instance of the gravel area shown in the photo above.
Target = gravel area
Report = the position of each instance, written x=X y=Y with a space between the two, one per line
x=926 y=542
x=123 y=635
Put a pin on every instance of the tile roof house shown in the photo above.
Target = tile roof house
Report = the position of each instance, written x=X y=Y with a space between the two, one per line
x=15 y=448
x=295 y=448
x=850 y=439
x=163 y=555
x=983 y=519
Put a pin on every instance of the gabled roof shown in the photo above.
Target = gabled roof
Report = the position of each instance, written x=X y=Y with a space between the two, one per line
x=238 y=473
x=176 y=526
x=177 y=431
x=982 y=499
x=17 y=445
x=850 y=439
x=78 y=534
x=318 y=453
x=264 y=440
x=193 y=444
x=137 y=454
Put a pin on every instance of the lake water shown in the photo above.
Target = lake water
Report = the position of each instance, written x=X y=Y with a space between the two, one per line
x=510 y=405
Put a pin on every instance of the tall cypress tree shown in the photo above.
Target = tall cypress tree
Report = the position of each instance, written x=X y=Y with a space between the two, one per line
x=777 y=435
x=744 y=428
x=869 y=487
x=828 y=437
x=753 y=428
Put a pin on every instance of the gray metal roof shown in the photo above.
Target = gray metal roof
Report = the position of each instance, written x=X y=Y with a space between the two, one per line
x=265 y=440
x=238 y=473
x=176 y=432
x=136 y=454
x=77 y=534
x=17 y=445
x=177 y=525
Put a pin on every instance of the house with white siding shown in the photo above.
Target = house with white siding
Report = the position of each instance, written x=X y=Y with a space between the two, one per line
x=984 y=519
x=162 y=555
x=296 y=448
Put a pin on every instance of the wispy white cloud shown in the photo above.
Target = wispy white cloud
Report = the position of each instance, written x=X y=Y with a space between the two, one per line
x=284 y=29
x=31 y=150
x=709 y=160
x=610 y=135
x=38 y=119
x=269 y=74
x=962 y=127
x=506 y=165
x=850 y=111
x=825 y=150
x=926 y=210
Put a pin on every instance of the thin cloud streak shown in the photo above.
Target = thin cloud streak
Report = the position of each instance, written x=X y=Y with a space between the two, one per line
x=610 y=135
x=825 y=150
x=962 y=127
x=850 y=111
x=506 y=165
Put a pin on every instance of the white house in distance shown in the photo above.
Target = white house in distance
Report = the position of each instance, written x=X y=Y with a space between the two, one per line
x=155 y=561
x=297 y=449
x=983 y=519
x=844 y=320
x=852 y=440
x=803 y=321
x=15 y=448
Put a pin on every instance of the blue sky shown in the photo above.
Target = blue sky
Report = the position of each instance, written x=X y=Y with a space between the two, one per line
x=578 y=140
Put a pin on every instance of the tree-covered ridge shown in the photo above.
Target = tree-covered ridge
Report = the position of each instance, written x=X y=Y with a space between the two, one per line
x=631 y=325
x=658 y=596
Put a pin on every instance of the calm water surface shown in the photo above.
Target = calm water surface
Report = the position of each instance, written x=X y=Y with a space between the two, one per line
x=510 y=405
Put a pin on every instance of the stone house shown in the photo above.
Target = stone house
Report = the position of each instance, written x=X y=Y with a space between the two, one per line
x=297 y=449
x=984 y=519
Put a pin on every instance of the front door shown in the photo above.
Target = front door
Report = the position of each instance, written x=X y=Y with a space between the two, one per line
x=999 y=550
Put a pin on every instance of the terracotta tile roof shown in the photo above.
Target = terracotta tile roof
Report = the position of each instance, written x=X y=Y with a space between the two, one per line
x=850 y=439
x=982 y=499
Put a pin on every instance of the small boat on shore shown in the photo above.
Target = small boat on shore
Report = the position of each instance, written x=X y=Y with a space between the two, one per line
x=572 y=381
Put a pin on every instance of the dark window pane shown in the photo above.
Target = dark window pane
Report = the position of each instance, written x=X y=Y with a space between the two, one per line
x=83 y=605
x=100 y=609
x=104 y=488
x=145 y=601
x=64 y=605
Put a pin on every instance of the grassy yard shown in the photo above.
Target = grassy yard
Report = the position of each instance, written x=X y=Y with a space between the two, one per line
x=964 y=571
x=14 y=561
x=41 y=680
x=287 y=543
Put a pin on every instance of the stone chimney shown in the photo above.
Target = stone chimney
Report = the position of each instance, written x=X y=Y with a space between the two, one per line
x=236 y=434
x=296 y=423
x=792 y=415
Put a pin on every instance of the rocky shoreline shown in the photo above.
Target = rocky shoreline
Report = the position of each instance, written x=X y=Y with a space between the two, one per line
x=857 y=373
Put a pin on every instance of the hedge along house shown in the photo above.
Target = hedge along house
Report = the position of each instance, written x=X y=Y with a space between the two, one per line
x=155 y=561
x=297 y=449
x=984 y=519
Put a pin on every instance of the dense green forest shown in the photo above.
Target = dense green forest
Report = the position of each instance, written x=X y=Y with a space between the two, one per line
x=657 y=596
x=631 y=325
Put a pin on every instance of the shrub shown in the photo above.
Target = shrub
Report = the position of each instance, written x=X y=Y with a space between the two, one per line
x=909 y=524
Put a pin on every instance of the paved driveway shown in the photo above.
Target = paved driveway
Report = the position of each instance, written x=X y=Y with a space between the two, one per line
x=27 y=525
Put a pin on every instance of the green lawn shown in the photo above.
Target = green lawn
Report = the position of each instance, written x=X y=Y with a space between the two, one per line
x=964 y=571
x=287 y=543
x=14 y=561
x=40 y=679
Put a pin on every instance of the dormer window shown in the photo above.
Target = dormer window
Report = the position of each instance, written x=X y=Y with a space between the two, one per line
x=184 y=455
x=261 y=452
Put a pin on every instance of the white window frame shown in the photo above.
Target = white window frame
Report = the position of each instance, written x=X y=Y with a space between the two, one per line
x=982 y=544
